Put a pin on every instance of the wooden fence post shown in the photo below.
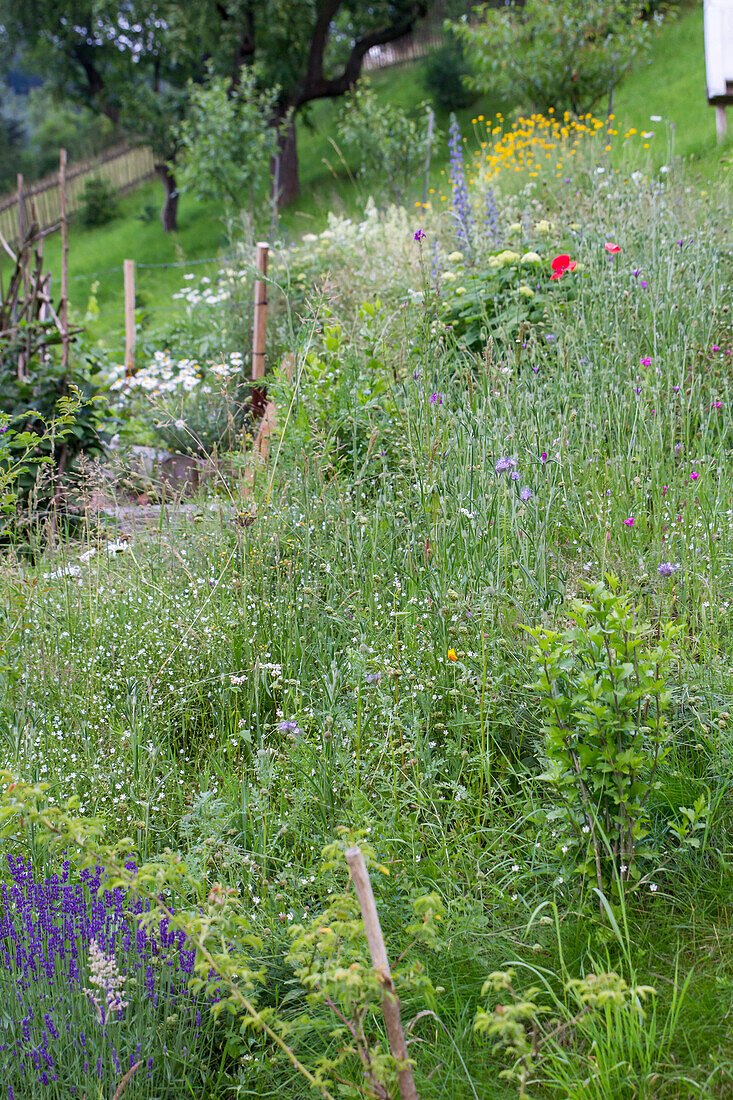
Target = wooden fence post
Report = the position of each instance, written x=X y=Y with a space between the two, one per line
x=21 y=209
x=129 y=271
x=64 y=312
x=380 y=962
x=259 y=334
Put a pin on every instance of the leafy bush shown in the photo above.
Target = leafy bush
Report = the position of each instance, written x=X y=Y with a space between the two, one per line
x=602 y=686
x=444 y=77
x=505 y=299
x=554 y=55
x=226 y=140
x=52 y=416
x=99 y=202
x=391 y=145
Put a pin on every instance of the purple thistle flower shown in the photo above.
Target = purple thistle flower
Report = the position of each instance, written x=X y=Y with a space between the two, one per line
x=667 y=568
x=504 y=464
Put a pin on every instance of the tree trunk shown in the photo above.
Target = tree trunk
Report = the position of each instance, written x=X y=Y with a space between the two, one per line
x=288 y=181
x=169 y=213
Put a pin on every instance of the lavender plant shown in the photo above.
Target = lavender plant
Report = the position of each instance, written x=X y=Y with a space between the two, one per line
x=93 y=1004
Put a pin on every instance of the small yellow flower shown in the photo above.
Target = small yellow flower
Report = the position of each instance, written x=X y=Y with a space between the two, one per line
x=452 y=655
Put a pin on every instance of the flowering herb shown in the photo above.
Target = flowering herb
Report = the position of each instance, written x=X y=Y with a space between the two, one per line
x=84 y=984
x=462 y=212
x=505 y=464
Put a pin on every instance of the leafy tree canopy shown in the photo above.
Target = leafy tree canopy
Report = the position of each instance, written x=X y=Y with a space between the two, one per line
x=133 y=59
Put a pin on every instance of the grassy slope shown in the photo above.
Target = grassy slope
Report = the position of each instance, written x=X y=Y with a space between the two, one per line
x=671 y=86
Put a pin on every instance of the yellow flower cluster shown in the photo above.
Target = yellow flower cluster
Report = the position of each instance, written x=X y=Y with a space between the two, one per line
x=531 y=142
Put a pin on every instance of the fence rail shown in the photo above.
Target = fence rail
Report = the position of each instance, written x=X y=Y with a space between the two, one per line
x=121 y=167
x=409 y=48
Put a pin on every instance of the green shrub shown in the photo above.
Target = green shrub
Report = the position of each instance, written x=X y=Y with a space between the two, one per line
x=443 y=77
x=99 y=202
x=391 y=145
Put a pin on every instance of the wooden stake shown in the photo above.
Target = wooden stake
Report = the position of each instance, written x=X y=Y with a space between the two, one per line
x=720 y=123
x=380 y=962
x=21 y=210
x=64 y=310
x=259 y=335
x=129 y=271
x=426 y=179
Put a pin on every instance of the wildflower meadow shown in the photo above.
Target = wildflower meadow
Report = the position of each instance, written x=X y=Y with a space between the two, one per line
x=470 y=612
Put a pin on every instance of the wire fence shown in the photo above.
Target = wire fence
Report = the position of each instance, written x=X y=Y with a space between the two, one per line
x=121 y=167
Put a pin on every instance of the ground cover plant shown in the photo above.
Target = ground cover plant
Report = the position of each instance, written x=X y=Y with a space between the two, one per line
x=474 y=614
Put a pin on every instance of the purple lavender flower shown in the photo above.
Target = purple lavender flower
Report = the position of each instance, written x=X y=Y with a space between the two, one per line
x=462 y=212
x=667 y=569
x=504 y=464
x=491 y=215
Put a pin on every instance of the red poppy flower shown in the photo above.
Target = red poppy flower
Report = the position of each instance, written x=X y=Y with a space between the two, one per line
x=613 y=248
x=561 y=264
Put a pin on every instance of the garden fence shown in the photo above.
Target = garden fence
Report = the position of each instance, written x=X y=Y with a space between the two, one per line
x=410 y=48
x=121 y=166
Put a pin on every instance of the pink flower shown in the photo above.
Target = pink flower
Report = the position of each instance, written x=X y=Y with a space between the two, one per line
x=717 y=404
x=543 y=457
x=694 y=475
x=629 y=522
x=646 y=361
x=665 y=489
x=612 y=248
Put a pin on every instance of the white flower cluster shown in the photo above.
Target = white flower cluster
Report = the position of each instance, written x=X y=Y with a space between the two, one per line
x=107 y=978
x=207 y=293
x=166 y=375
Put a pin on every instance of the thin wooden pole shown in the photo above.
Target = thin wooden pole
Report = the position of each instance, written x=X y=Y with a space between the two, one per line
x=129 y=272
x=380 y=962
x=64 y=311
x=259 y=334
x=21 y=209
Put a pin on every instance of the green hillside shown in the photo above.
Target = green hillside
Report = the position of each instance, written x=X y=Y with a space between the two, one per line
x=672 y=86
